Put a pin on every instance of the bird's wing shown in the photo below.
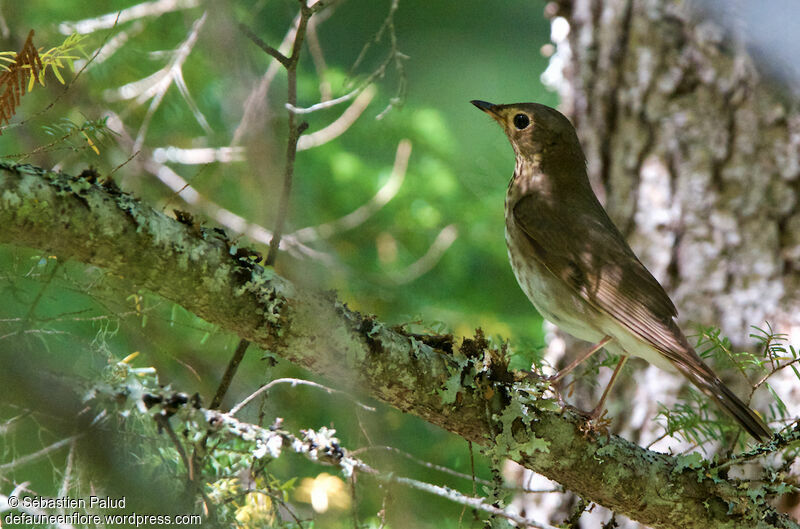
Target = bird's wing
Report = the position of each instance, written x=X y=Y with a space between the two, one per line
x=591 y=257
x=583 y=248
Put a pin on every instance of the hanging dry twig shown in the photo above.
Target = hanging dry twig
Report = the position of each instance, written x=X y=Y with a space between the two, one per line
x=357 y=217
x=342 y=123
x=136 y=12
x=154 y=87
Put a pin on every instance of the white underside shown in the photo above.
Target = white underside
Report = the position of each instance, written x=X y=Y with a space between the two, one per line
x=575 y=316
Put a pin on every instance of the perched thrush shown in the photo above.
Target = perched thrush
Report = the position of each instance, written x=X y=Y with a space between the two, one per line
x=575 y=266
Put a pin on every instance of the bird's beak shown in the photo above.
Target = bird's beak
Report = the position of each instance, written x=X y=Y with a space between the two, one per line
x=489 y=108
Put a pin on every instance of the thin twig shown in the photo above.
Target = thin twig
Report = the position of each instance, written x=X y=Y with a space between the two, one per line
x=775 y=370
x=393 y=56
x=138 y=11
x=164 y=423
x=116 y=43
x=120 y=166
x=318 y=5
x=223 y=216
x=294 y=134
x=326 y=104
x=474 y=484
x=341 y=125
x=227 y=378
x=475 y=480
x=65 y=483
x=472 y=468
x=313 y=445
x=293 y=382
x=254 y=105
x=424 y=264
x=314 y=46
x=24 y=460
x=290 y=63
x=226 y=217
x=657 y=439
x=70 y=82
x=452 y=495
x=778 y=442
x=157 y=84
x=354 y=503
x=34 y=304
x=266 y=48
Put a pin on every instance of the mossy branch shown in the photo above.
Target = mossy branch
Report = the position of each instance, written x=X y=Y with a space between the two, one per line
x=463 y=386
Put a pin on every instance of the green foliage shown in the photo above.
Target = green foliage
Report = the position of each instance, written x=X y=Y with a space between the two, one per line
x=19 y=71
x=93 y=133
x=56 y=59
x=777 y=354
x=61 y=57
x=696 y=418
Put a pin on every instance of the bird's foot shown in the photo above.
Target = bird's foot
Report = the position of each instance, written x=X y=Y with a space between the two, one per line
x=552 y=382
x=532 y=375
x=597 y=423
x=594 y=422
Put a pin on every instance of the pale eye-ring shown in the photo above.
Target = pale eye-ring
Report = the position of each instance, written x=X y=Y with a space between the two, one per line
x=521 y=121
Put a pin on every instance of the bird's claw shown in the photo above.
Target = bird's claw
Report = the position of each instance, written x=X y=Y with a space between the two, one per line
x=553 y=383
x=536 y=376
x=595 y=422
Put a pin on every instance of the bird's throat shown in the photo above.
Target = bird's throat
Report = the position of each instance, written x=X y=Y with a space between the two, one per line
x=529 y=177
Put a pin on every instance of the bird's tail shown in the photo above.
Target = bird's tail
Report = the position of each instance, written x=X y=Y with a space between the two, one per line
x=707 y=382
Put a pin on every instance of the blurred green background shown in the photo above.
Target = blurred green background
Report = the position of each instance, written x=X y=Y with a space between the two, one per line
x=75 y=320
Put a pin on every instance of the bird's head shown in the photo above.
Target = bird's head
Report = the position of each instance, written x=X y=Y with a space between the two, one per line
x=538 y=133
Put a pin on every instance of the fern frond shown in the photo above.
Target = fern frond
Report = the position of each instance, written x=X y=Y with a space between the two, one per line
x=26 y=67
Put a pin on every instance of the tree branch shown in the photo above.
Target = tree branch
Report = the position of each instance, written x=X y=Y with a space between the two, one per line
x=464 y=388
x=269 y=50
x=295 y=130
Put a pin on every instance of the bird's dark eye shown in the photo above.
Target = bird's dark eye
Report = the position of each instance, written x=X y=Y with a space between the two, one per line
x=521 y=121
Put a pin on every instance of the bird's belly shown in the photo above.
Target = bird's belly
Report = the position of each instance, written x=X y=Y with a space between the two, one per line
x=551 y=297
x=557 y=303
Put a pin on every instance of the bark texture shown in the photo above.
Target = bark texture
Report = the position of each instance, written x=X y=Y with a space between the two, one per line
x=462 y=387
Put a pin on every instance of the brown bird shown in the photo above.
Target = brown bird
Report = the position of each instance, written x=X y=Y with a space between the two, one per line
x=575 y=266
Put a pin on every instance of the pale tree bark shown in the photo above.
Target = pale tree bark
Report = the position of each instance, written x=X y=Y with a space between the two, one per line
x=696 y=156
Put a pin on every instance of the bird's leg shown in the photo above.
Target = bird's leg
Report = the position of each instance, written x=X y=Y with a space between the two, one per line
x=575 y=363
x=598 y=410
x=556 y=378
